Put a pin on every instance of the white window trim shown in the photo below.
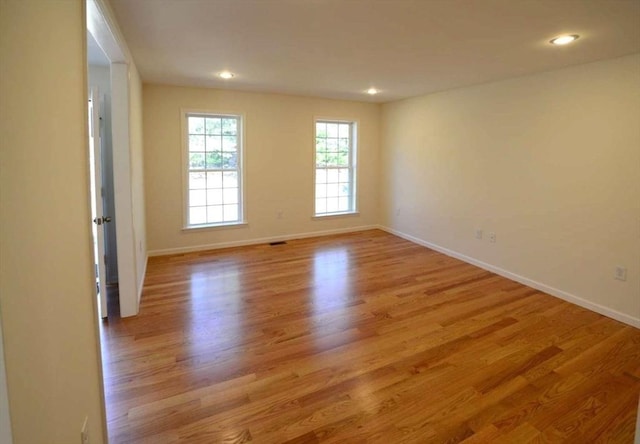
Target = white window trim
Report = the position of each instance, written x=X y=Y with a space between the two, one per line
x=354 y=169
x=242 y=220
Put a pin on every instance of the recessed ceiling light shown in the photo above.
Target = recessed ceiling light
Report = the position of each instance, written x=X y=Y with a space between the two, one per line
x=372 y=91
x=564 y=39
x=226 y=75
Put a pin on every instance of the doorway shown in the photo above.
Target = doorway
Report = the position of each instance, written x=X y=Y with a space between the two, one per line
x=125 y=246
x=101 y=180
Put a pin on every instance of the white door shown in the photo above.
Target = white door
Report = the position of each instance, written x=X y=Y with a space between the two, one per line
x=97 y=214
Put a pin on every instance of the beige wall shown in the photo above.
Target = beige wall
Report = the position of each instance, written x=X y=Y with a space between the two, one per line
x=278 y=164
x=47 y=296
x=549 y=162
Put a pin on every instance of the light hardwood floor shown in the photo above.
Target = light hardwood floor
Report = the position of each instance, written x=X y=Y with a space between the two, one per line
x=361 y=338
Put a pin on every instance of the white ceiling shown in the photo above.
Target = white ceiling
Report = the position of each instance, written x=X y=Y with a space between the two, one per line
x=339 y=48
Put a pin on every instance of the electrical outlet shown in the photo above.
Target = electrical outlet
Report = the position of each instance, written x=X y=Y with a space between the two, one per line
x=620 y=273
x=492 y=237
x=478 y=233
x=84 y=432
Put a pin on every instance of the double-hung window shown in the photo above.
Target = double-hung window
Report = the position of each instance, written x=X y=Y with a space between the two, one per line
x=213 y=169
x=335 y=167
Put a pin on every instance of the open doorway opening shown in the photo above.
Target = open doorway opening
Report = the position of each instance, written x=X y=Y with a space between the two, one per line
x=102 y=187
x=126 y=126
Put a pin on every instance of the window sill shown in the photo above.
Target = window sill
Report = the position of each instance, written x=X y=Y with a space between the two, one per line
x=335 y=215
x=215 y=227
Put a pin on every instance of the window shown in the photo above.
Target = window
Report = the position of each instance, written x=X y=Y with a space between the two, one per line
x=214 y=170
x=335 y=155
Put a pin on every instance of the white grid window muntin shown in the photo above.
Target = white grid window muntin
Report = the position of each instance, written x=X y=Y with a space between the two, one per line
x=214 y=175
x=335 y=167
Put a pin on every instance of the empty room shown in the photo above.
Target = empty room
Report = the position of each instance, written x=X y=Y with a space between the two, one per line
x=305 y=221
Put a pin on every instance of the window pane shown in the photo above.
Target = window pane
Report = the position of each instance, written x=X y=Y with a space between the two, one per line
x=343 y=189
x=230 y=179
x=343 y=204
x=331 y=159
x=196 y=160
x=229 y=143
x=214 y=143
x=343 y=159
x=332 y=130
x=321 y=159
x=197 y=198
x=321 y=144
x=344 y=130
x=321 y=205
x=197 y=215
x=230 y=195
x=197 y=181
x=230 y=213
x=229 y=160
x=214 y=159
x=321 y=190
x=214 y=196
x=332 y=205
x=196 y=125
x=332 y=144
x=321 y=129
x=333 y=176
x=321 y=176
x=343 y=175
x=196 y=143
x=214 y=214
x=229 y=126
x=214 y=180
x=332 y=189
x=343 y=144
x=213 y=125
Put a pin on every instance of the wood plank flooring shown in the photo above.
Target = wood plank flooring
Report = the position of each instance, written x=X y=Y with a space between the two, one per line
x=361 y=338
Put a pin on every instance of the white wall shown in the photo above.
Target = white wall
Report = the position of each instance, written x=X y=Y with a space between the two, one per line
x=278 y=164
x=549 y=162
x=47 y=290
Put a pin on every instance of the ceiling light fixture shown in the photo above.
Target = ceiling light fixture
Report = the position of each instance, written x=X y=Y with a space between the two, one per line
x=564 y=39
x=372 y=91
x=226 y=75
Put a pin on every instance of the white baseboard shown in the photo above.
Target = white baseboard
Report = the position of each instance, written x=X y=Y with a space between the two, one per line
x=601 y=309
x=257 y=241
